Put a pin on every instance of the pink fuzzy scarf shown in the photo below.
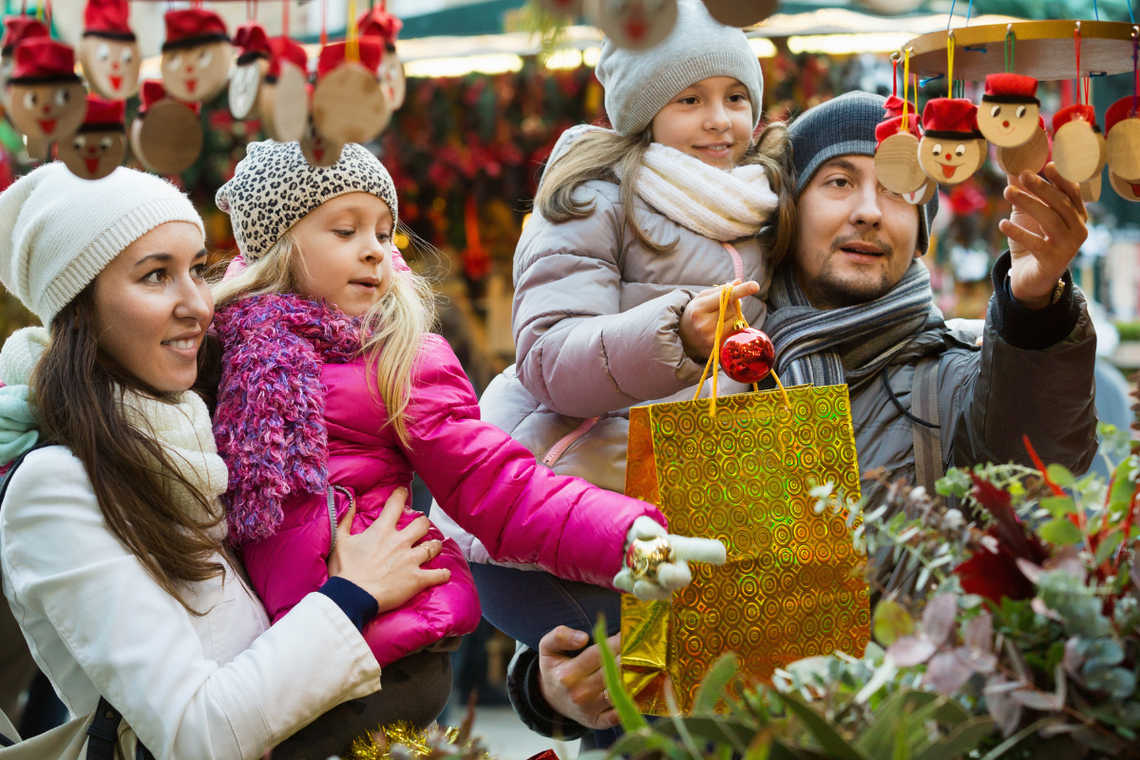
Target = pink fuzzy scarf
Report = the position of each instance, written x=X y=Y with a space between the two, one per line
x=270 y=421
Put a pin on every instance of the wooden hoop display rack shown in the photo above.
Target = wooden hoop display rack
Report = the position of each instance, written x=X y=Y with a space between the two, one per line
x=1045 y=50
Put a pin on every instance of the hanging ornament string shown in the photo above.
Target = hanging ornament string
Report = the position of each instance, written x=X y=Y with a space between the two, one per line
x=1135 y=66
x=906 y=88
x=895 y=75
x=950 y=45
x=1010 y=48
x=284 y=17
x=352 y=43
x=40 y=11
x=1077 y=47
x=970 y=10
x=324 y=22
x=950 y=18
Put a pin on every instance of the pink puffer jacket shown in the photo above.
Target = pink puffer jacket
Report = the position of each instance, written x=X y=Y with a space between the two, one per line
x=298 y=412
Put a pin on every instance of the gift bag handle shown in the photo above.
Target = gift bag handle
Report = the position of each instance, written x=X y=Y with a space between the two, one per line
x=713 y=362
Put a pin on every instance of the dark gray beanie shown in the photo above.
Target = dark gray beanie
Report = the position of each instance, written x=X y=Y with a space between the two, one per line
x=845 y=126
x=639 y=83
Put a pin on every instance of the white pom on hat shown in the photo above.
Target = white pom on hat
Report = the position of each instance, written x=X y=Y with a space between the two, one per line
x=58 y=232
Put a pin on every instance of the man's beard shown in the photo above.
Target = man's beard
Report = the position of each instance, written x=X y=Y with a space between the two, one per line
x=836 y=291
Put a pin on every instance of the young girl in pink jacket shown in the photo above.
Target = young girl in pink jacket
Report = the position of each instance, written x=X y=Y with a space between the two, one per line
x=333 y=392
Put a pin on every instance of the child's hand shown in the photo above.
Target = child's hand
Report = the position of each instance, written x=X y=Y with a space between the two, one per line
x=699 y=320
x=672 y=575
x=384 y=561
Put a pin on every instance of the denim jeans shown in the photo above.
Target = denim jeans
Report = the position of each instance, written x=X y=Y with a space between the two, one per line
x=528 y=604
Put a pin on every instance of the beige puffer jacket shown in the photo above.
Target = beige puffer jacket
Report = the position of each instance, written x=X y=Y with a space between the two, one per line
x=595 y=321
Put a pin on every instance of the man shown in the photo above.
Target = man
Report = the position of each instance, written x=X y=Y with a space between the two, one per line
x=854 y=305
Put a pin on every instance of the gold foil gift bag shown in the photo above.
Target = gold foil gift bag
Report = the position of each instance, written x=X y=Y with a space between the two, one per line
x=740 y=469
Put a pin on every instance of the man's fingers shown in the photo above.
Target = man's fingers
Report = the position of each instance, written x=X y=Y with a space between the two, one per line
x=1071 y=189
x=561 y=640
x=745 y=289
x=708 y=550
x=1048 y=217
x=1057 y=193
x=1030 y=241
x=393 y=508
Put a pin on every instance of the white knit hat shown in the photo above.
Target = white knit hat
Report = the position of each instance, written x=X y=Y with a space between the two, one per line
x=58 y=232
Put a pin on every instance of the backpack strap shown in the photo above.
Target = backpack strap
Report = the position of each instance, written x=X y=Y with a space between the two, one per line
x=928 y=465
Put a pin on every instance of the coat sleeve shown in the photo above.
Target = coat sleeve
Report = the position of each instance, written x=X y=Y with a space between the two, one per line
x=494 y=489
x=1034 y=378
x=577 y=351
x=136 y=643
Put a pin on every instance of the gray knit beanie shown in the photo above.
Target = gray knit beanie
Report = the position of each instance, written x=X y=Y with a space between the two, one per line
x=639 y=83
x=845 y=126
x=273 y=187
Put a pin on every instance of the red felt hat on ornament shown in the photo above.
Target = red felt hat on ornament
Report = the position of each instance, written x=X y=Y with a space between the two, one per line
x=253 y=42
x=103 y=115
x=378 y=22
x=152 y=92
x=894 y=106
x=41 y=60
x=333 y=55
x=20 y=28
x=1118 y=112
x=1075 y=113
x=1010 y=88
x=951 y=119
x=893 y=126
x=191 y=27
x=285 y=49
x=108 y=18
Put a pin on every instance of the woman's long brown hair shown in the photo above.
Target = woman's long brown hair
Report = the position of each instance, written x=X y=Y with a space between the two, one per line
x=79 y=400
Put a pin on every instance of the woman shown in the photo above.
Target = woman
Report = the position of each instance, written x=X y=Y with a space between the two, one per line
x=112 y=542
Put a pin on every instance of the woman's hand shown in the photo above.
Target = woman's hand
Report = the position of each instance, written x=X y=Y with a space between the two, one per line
x=575 y=685
x=700 y=317
x=384 y=561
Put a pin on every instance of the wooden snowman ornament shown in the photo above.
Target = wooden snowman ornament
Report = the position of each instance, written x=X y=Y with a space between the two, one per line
x=1031 y=157
x=952 y=148
x=16 y=30
x=109 y=52
x=1122 y=130
x=894 y=106
x=195 y=55
x=1009 y=111
x=283 y=97
x=318 y=150
x=101 y=143
x=252 y=64
x=1079 y=149
x=166 y=136
x=896 y=155
x=634 y=24
x=1129 y=191
x=741 y=12
x=349 y=104
x=46 y=100
x=385 y=27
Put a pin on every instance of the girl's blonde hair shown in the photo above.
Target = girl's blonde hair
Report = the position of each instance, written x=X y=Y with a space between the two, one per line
x=391 y=330
x=604 y=154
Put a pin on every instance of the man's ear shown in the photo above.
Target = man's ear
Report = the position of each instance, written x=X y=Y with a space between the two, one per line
x=919 y=253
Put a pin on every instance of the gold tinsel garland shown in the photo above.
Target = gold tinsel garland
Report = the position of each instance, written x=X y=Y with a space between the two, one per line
x=422 y=743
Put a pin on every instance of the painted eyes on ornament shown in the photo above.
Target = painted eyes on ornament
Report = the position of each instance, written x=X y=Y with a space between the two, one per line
x=30 y=100
x=205 y=57
x=175 y=62
x=61 y=97
x=959 y=151
x=995 y=112
x=79 y=143
x=105 y=144
x=103 y=52
x=127 y=55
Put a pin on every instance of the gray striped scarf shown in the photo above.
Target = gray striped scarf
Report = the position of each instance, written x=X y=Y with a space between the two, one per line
x=849 y=344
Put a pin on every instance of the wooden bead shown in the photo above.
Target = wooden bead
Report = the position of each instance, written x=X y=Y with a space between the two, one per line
x=741 y=12
x=1124 y=149
x=51 y=111
x=196 y=74
x=634 y=24
x=951 y=161
x=1078 y=151
x=1031 y=156
x=93 y=155
x=111 y=66
x=1090 y=191
x=1129 y=191
x=349 y=105
x=897 y=166
x=168 y=139
x=1008 y=125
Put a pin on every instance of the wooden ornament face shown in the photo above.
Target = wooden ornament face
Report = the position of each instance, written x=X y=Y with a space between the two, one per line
x=392 y=80
x=1008 y=125
x=349 y=105
x=196 y=74
x=38 y=149
x=1078 y=151
x=636 y=24
x=741 y=12
x=923 y=195
x=6 y=64
x=1031 y=156
x=317 y=150
x=1129 y=191
x=950 y=162
x=290 y=104
x=244 y=84
x=52 y=111
x=168 y=139
x=1124 y=149
x=111 y=66
x=93 y=155
x=1090 y=191
x=896 y=164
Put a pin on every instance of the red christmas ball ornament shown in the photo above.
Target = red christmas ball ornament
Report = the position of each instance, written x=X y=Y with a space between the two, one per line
x=747 y=355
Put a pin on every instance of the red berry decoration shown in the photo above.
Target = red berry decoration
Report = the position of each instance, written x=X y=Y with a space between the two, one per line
x=747 y=355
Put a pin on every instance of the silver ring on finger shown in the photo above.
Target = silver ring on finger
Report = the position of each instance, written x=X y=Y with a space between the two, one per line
x=606 y=696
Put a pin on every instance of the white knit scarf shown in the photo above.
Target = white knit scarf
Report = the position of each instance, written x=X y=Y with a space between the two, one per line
x=181 y=426
x=718 y=204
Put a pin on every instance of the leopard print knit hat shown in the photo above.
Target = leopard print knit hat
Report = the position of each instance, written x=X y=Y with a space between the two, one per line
x=274 y=187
